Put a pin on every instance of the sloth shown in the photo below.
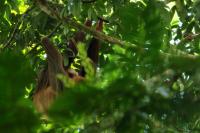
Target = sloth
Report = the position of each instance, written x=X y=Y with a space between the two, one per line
x=48 y=85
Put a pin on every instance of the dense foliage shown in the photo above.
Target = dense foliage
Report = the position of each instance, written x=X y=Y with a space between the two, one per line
x=148 y=78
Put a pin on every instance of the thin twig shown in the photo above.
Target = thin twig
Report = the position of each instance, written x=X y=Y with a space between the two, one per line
x=49 y=36
x=54 y=30
x=14 y=32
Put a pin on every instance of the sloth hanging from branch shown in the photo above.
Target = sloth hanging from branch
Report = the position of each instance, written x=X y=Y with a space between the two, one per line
x=48 y=85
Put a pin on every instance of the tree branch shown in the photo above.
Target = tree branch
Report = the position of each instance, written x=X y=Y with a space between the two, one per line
x=14 y=32
x=88 y=1
x=48 y=36
x=101 y=36
x=71 y=22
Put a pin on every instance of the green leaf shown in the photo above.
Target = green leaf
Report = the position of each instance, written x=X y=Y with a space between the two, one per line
x=131 y=23
x=15 y=74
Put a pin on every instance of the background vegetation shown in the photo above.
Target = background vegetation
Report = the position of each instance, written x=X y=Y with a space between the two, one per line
x=148 y=78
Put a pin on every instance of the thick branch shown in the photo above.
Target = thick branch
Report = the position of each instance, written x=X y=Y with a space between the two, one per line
x=74 y=24
x=88 y=1
x=103 y=37
x=99 y=35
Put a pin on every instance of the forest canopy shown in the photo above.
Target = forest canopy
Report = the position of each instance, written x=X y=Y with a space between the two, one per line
x=146 y=80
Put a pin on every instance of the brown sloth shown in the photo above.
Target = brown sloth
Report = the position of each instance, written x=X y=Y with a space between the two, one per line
x=48 y=85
